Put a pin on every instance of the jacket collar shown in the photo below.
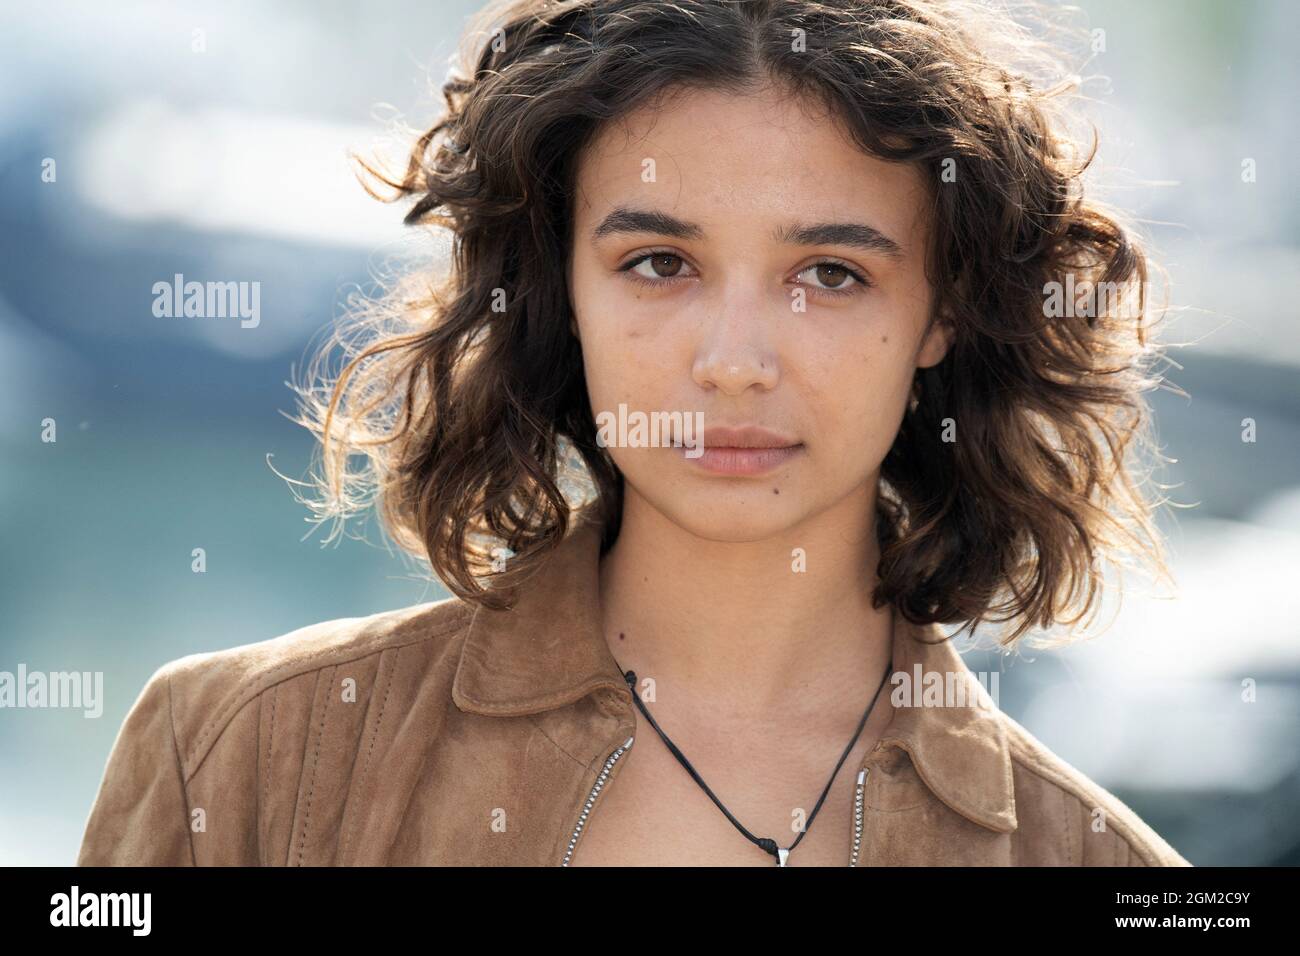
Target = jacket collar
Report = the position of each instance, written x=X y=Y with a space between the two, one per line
x=548 y=651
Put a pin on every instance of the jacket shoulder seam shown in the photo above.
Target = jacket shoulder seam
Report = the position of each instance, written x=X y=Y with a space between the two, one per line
x=346 y=838
x=1079 y=790
x=286 y=671
x=180 y=769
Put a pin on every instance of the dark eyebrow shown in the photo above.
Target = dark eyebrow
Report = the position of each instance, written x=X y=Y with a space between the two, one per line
x=626 y=220
x=856 y=234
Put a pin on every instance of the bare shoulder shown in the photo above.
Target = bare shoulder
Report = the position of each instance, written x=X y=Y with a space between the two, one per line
x=207 y=690
x=1090 y=825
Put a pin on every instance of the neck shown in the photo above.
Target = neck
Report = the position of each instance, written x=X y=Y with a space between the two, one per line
x=732 y=632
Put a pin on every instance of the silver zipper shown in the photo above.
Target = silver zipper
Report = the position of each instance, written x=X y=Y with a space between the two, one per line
x=591 y=798
x=858 y=799
x=857 y=815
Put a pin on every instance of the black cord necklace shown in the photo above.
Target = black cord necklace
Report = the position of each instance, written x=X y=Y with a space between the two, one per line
x=765 y=843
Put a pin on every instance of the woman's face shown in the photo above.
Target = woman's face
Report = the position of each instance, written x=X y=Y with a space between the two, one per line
x=738 y=257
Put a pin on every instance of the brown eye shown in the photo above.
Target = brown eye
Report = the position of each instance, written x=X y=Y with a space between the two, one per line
x=665 y=266
x=831 y=280
x=664 y=269
x=831 y=275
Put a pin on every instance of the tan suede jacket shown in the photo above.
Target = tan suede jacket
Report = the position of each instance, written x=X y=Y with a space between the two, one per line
x=445 y=735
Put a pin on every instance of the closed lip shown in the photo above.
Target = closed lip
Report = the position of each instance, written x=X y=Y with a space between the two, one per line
x=746 y=436
x=742 y=437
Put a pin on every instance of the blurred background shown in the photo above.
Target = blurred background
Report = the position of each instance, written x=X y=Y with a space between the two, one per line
x=143 y=140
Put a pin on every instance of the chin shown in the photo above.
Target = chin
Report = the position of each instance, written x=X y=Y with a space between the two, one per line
x=748 y=511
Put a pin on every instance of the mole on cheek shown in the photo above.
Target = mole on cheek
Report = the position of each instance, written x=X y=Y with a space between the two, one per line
x=884 y=339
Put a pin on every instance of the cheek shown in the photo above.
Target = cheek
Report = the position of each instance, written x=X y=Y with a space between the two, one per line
x=619 y=363
x=601 y=348
x=862 y=389
x=624 y=354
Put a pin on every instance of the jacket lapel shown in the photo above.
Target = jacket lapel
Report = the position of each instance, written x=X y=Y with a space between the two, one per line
x=956 y=737
x=548 y=652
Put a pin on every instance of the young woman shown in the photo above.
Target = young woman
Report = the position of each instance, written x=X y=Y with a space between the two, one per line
x=748 y=372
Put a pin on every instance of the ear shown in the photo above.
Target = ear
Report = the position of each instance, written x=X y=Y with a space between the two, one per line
x=938 y=340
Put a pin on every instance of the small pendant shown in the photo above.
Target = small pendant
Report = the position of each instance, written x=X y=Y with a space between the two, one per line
x=782 y=854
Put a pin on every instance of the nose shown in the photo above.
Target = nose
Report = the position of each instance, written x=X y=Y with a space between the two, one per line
x=734 y=352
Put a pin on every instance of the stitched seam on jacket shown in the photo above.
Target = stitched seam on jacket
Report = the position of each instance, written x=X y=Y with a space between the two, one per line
x=586 y=766
x=1067 y=824
x=1064 y=784
x=198 y=755
x=365 y=766
x=551 y=701
x=315 y=764
x=262 y=836
x=180 y=771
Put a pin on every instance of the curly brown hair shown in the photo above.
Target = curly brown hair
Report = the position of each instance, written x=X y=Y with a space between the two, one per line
x=462 y=407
